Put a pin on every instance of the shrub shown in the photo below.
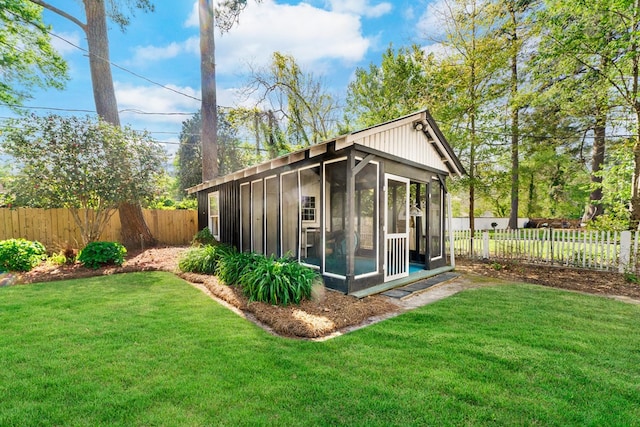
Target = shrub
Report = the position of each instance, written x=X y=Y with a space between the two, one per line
x=97 y=254
x=233 y=265
x=203 y=259
x=203 y=238
x=65 y=256
x=20 y=254
x=278 y=281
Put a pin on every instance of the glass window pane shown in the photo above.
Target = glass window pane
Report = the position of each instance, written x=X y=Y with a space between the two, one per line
x=289 y=221
x=310 y=233
x=214 y=214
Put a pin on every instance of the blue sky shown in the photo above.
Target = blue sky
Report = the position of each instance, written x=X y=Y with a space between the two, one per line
x=330 y=38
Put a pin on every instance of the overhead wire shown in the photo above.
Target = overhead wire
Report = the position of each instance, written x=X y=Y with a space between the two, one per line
x=133 y=73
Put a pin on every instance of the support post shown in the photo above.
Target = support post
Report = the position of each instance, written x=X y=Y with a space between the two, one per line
x=450 y=227
x=625 y=251
x=485 y=244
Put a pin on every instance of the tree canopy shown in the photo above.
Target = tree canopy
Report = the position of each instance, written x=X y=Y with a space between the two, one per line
x=81 y=164
x=27 y=58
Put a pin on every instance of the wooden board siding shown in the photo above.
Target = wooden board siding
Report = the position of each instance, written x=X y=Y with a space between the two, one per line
x=404 y=142
x=230 y=213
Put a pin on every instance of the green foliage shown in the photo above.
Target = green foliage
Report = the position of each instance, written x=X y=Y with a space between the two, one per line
x=233 y=153
x=610 y=222
x=203 y=237
x=97 y=254
x=82 y=164
x=308 y=110
x=204 y=259
x=497 y=266
x=234 y=265
x=390 y=90
x=277 y=281
x=167 y=203
x=28 y=58
x=632 y=278
x=66 y=256
x=20 y=254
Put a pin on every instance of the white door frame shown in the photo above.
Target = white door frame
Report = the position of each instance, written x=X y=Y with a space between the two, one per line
x=396 y=245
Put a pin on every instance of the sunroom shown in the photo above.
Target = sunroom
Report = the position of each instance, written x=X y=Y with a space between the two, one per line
x=366 y=209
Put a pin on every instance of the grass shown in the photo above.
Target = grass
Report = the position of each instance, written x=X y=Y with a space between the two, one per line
x=148 y=349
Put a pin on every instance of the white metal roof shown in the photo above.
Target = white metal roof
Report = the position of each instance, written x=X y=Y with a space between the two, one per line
x=415 y=137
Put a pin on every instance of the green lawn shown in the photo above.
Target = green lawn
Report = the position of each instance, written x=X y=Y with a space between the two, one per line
x=148 y=349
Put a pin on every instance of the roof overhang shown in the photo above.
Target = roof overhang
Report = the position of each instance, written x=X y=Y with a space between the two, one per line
x=421 y=121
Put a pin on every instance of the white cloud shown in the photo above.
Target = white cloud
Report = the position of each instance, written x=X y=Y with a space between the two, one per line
x=194 y=19
x=438 y=49
x=153 y=103
x=62 y=46
x=145 y=54
x=432 y=23
x=312 y=35
x=361 y=8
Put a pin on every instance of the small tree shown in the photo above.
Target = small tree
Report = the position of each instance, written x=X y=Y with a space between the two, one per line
x=83 y=164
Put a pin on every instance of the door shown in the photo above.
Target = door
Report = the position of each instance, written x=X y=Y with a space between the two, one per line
x=436 y=224
x=396 y=230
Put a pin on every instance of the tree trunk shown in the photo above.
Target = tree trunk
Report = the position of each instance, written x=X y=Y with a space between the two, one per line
x=134 y=232
x=595 y=208
x=635 y=187
x=208 y=78
x=515 y=127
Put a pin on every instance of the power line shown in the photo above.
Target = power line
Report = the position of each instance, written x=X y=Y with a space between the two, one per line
x=103 y=59
x=79 y=110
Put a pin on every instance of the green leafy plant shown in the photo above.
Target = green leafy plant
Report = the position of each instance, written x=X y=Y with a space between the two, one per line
x=632 y=278
x=82 y=164
x=20 y=254
x=233 y=265
x=278 y=281
x=203 y=259
x=497 y=266
x=204 y=237
x=65 y=256
x=97 y=254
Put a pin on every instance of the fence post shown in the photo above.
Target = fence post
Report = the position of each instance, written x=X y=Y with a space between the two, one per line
x=625 y=251
x=485 y=244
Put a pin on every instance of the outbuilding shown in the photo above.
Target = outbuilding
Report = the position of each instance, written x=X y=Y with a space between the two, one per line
x=366 y=209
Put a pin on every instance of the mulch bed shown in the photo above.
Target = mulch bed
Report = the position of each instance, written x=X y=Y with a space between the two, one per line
x=575 y=279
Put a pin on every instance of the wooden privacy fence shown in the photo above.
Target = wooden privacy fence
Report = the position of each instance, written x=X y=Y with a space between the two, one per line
x=55 y=228
x=601 y=250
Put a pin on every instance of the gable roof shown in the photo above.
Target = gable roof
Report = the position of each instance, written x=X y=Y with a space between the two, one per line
x=414 y=137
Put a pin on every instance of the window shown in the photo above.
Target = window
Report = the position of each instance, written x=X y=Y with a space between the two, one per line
x=214 y=214
x=308 y=208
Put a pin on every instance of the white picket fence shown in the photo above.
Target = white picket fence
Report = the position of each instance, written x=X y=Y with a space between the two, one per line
x=601 y=250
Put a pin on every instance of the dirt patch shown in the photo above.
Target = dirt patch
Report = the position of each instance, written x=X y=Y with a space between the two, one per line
x=331 y=312
x=582 y=280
